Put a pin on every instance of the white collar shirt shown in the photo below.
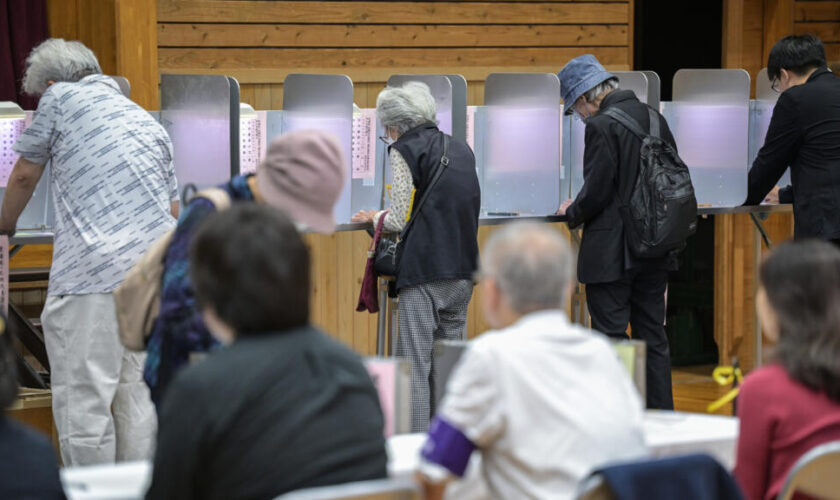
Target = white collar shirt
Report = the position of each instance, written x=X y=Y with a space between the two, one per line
x=545 y=402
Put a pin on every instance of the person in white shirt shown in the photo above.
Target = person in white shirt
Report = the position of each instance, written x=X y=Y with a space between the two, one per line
x=115 y=193
x=544 y=401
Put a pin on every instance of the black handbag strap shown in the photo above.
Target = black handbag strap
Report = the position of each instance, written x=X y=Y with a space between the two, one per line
x=632 y=125
x=444 y=162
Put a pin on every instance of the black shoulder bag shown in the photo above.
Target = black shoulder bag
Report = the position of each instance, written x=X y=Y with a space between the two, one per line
x=386 y=261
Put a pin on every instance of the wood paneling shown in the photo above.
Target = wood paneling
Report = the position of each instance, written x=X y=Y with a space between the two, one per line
x=376 y=64
x=136 y=50
x=122 y=34
x=827 y=32
x=816 y=11
x=355 y=12
x=751 y=28
x=376 y=35
x=32 y=256
x=778 y=22
x=262 y=42
x=823 y=20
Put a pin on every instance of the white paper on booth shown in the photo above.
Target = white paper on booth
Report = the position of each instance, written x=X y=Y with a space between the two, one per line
x=251 y=142
x=364 y=145
x=10 y=130
x=4 y=274
x=471 y=127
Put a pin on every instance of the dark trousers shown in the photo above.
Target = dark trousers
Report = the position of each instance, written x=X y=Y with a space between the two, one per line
x=639 y=299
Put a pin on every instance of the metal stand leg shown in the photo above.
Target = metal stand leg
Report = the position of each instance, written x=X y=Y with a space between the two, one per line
x=382 y=319
x=760 y=234
x=393 y=324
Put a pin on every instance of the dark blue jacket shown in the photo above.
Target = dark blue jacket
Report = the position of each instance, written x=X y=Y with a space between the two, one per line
x=28 y=465
x=442 y=243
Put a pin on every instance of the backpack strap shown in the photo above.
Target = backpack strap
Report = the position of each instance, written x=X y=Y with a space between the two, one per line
x=654 y=122
x=628 y=122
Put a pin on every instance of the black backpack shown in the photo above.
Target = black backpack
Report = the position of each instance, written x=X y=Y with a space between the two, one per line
x=661 y=210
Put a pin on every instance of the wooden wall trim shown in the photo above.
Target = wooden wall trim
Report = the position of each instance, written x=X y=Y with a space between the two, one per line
x=778 y=22
x=261 y=42
x=177 y=11
x=122 y=34
x=136 y=50
x=823 y=20
x=379 y=35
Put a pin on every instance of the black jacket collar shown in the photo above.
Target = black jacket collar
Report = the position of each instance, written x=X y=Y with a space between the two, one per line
x=617 y=96
x=818 y=73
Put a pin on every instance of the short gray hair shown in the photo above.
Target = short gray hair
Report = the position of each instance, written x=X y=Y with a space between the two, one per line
x=532 y=265
x=406 y=107
x=58 y=60
x=606 y=86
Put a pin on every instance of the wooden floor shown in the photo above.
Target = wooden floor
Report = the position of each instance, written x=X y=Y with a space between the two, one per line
x=694 y=389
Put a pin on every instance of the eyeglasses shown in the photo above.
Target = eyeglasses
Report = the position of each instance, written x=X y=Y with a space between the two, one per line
x=774 y=85
x=576 y=111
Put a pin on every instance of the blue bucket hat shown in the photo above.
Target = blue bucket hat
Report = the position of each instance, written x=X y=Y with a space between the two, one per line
x=581 y=74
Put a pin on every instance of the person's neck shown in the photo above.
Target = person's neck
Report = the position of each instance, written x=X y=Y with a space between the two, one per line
x=799 y=80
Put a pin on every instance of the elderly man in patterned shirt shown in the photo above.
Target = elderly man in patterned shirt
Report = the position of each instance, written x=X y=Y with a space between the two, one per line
x=115 y=193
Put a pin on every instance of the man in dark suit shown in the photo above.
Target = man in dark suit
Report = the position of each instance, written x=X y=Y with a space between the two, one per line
x=620 y=288
x=804 y=134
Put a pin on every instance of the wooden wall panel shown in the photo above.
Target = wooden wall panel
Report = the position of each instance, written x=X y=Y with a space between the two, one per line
x=377 y=35
x=751 y=27
x=262 y=42
x=357 y=12
x=823 y=20
x=122 y=34
x=136 y=50
x=338 y=263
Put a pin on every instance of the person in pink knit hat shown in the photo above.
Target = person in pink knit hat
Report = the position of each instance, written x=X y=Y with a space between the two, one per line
x=302 y=175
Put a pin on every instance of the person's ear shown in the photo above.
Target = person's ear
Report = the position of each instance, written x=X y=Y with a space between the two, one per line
x=490 y=299
x=50 y=82
x=218 y=327
x=784 y=75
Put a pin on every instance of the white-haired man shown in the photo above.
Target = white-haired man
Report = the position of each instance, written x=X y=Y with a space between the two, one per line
x=114 y=185
x=544 y=401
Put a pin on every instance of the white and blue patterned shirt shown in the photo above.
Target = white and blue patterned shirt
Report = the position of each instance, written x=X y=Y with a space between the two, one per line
x=112 y=180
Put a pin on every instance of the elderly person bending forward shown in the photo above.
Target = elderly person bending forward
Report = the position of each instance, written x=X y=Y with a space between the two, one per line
x=115 y=193
x=440 y=250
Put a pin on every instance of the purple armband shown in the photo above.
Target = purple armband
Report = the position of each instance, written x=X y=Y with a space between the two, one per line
x=448 y=447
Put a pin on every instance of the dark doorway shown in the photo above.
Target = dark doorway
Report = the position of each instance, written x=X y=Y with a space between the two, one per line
x=671 y=35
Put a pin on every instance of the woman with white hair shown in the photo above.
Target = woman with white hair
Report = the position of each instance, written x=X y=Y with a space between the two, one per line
x=440 y=250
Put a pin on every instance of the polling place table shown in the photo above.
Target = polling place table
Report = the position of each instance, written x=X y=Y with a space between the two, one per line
x=666 y=434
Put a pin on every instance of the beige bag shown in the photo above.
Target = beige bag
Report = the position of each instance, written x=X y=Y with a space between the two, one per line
x=138 y=296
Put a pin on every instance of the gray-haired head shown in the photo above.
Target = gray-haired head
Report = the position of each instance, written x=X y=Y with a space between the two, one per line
x=532 y=265
x=406 y=107
x=58 y=60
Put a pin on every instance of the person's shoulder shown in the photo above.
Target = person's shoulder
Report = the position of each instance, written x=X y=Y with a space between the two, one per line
x=23 y=437
x=766 y=380
x=330 y=346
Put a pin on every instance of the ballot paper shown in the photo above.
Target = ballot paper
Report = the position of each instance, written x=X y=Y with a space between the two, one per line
x=10 y=130
x=4 y=274
x=252 y=142
x=363 y=145
x=471 y=126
